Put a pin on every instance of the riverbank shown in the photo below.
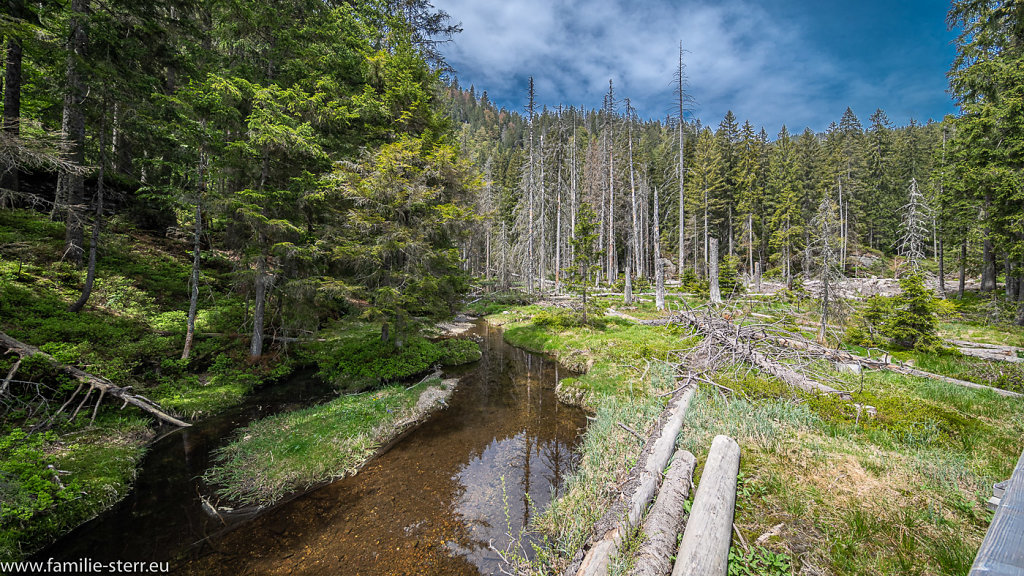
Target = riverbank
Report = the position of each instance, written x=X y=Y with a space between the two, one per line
x=823 y=487
x=434 y=501
x=131 y=332
x=277 y=456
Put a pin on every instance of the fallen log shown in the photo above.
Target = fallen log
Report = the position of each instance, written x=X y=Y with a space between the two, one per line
x=704 y=549
x=922 y=374
x=598 y=559
x=723 y=337
x=665 y=519
x=845 y=357
x=1004 y=355
x=1009 y=350
x=94 y=382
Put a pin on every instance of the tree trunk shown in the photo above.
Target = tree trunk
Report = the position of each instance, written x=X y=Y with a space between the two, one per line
x=90 y=275
x=542 y=275
x=627 y=293
x=988 y=271
x=825 y=293
x=558 y=230
x=704 y=549
x=94 y=382
x=71 y=184
x=942 y=268
x=1010 y=283
x=682 y=167
x=261 y=281
x=647 y=476
x=731 y=251
x=193 y=303
x=665 y=519
x=963 y=269
x=632 y=193
x=12 y=95
x=716 y=294
x=612 y=268
x=659 y=266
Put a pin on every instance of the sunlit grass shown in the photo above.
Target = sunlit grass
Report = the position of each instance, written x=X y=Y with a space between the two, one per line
x=901 y=492
x=286 y=452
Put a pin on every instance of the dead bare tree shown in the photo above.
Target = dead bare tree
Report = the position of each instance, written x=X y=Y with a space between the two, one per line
x=825 y=251
x=913 y=228
x=716 y=293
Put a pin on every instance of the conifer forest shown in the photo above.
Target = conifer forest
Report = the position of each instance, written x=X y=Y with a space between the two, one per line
x=282 y=291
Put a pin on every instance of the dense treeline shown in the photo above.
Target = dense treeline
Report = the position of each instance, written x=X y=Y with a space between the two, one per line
x=754 y=193
x=946 y=194
x=302 y=137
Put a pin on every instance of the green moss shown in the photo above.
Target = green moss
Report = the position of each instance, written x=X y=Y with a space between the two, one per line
x=130 y=332
x=354 y=357
x=99 y=466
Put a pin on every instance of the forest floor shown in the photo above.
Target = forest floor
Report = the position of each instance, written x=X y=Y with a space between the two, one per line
x=823 y=488
x=131 y=332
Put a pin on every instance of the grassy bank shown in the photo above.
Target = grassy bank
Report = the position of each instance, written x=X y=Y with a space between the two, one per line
x=287 y=452
x=623 y=382
x=901 y=492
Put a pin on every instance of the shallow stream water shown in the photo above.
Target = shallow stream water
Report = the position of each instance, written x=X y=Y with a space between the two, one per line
x=434 y=503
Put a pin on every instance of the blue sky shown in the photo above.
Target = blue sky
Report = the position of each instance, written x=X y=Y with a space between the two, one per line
x=774 y=62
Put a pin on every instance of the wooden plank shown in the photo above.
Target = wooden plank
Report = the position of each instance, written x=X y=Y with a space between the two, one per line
x=1002 y=550
x=704 y=550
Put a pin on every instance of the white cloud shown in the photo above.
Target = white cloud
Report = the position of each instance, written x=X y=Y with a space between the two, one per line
x=739 y=56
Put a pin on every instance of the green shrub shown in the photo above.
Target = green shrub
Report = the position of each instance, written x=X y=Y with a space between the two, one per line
x=694 y=284
x=908 y=320
x=455 y=351
x=28 y=484
x=563 y=319
x=729 y=282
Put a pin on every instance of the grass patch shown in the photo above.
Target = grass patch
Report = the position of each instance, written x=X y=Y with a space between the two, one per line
x=286 y=452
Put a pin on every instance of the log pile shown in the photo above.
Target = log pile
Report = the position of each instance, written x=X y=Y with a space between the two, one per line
x=624 y=516
x=741 y=342
x=710 y=525
x=704 y=549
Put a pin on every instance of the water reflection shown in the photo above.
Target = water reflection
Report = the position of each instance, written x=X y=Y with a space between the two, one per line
x=430 y=505
x=520 y=465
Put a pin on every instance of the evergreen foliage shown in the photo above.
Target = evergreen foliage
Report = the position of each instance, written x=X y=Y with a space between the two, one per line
x=907 y=321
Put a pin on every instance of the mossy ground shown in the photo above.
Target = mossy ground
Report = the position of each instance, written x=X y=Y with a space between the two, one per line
x=901 y=492
x=131 y=332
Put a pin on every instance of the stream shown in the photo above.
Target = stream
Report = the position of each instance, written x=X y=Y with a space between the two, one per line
x=434 y=503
